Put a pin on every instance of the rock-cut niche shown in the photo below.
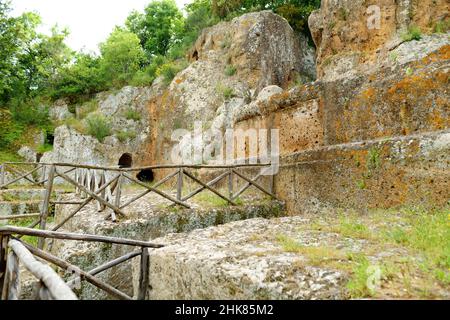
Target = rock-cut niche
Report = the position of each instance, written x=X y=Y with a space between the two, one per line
x=126 y=161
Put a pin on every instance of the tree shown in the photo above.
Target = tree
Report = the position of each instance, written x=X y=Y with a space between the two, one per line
x=80 y=79
x=122 y=56
x=158 y=27
x=28 y=59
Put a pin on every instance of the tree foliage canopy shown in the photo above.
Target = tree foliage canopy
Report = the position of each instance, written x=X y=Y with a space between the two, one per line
x=158 y=27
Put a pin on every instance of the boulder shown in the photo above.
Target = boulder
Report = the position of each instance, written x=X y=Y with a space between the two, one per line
x=28 y=154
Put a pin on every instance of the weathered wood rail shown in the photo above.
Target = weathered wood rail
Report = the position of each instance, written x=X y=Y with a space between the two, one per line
x=51 y=286
x=104 y=186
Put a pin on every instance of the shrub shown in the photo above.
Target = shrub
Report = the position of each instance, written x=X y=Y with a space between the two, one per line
x=413 y=33
x=98 y=126
x=43 y=148
x=131 y=114
x=230 y=70
x=10 y=131
x=29 y=112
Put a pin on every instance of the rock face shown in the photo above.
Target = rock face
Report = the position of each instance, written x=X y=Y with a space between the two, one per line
x=356 y=137
x=241 y=260
x=261 y=45
x=231 y=63
x=126 y=112
x=349 y=39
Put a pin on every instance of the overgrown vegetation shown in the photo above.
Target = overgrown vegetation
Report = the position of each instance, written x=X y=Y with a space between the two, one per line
x=230 y=70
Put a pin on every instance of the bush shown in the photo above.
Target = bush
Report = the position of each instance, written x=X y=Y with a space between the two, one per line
x=44 y=148
x=413 y=33
x=10 y=131
x=442 y=26
x=98 y=126
x=227 y=92
x=76 y=125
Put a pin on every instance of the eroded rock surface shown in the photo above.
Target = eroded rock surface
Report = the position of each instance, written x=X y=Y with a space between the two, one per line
x=350 y=41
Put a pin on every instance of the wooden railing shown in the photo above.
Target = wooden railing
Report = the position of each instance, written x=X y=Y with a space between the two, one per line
x=51 y=286
x=104 y=186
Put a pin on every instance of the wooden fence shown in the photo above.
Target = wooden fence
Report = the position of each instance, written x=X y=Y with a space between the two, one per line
x=104 y=186
x=13 y=251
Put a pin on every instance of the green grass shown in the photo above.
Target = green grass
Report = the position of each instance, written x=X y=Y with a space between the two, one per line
x=226 y=92
x=125 y=135
x=230 y=70
x=87 y=108
x=131 y=114
x=413 y=33
x=44 y=148
x=170 y=69
x=316 y=255
x=24 y=223
x=9 y=156
x=76 y=124
x=442 y=26
x=210 y=199
x=428 y=234
x=358 y=285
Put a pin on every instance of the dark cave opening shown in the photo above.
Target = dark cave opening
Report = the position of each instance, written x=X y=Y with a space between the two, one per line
x=126 y=161
x=146 y=175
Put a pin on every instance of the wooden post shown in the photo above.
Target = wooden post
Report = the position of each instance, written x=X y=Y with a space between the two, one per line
x=4 y=239
x=271 y=183
x=180 y=185
x=46 y=204
x=118 y=196
x=11 y=284
x=230 y=184
x=144 y=274
x=2 y=175
x=103 y=193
